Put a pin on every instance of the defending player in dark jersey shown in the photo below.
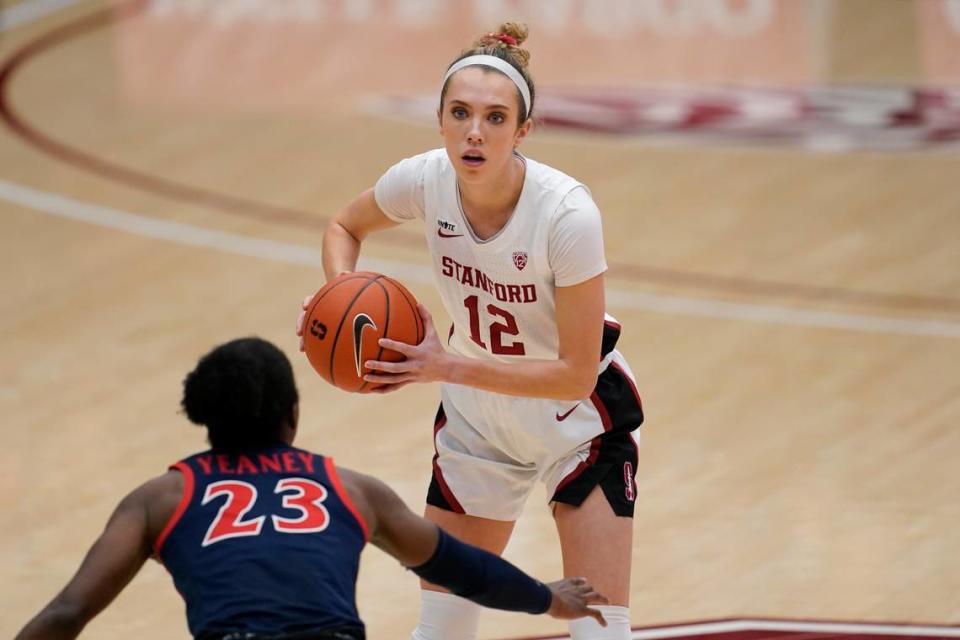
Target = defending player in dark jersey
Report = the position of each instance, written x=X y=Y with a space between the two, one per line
x=262 y=539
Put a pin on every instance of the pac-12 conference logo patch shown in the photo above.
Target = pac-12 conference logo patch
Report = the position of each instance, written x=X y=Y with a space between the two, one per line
x=520 y=259
x=784 y=629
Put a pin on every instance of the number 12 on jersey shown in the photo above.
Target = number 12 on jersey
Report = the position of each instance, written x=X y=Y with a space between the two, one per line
x=507 y=325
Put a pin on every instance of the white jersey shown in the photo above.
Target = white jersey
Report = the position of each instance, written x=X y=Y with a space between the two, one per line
x=500 y=291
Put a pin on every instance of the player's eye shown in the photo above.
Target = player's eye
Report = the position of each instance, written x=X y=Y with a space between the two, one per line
x=497 y=118
x=459 y=113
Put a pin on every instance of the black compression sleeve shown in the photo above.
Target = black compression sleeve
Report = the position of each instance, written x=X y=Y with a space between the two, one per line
x=480 y=576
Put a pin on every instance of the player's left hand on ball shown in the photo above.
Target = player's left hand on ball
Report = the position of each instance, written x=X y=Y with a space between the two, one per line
x=425 y=362
x=571 y=597
x=301 y=320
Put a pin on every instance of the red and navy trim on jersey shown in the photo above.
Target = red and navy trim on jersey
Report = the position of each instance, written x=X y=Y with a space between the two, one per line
x=264 y=542
x=188 y=483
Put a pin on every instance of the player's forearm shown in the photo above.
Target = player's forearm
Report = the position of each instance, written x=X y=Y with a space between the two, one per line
x=55 y=622
x=551 y=379
x=340 y=250
x=471 y=572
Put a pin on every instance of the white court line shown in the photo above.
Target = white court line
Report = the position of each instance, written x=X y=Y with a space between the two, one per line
x=26 y=12
x=189 y=234
x=751 y=312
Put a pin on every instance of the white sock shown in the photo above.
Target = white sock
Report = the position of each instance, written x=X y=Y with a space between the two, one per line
x=618 y=625
x=444 y=616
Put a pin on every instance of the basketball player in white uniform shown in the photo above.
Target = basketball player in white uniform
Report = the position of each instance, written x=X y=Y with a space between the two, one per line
x=533 y=389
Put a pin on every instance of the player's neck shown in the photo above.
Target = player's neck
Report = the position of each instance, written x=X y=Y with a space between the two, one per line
x=494 y=200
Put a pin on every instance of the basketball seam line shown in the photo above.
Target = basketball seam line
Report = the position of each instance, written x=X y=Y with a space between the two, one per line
x=386 y=322
x=313 y=306
x=417 y=320
x=336 y=337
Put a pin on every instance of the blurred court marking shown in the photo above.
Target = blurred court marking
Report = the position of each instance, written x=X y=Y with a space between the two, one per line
x=737 y=629
x=192 y=235
x=26 y=12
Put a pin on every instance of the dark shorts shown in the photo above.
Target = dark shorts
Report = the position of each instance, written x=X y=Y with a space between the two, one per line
x=344 y=633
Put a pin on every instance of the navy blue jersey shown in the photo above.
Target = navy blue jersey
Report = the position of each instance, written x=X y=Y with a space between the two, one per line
x=266 y=541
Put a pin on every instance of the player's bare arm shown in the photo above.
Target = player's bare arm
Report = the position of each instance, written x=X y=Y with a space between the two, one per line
x=572 y=376
x=394 y=528
x=347 y=230
x=342 y=239
x=108 y=567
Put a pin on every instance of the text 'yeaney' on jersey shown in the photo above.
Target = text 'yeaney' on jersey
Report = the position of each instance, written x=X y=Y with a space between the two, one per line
x=278 y=462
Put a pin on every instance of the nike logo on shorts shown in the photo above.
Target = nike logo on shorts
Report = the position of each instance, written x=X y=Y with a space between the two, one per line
x=360 y=322
x=443 y=234
x=561 y=418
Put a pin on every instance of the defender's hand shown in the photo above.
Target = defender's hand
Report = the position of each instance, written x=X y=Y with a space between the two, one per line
x=571 y=597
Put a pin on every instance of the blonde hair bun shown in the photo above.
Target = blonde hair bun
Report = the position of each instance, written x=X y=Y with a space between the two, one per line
x=508 y=37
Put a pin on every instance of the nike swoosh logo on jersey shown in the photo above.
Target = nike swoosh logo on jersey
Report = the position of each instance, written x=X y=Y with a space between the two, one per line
x=360 y=322
x=561 y=418
x=441 y=233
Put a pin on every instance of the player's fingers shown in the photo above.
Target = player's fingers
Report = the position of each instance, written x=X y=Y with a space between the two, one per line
x=387 y=379
x=578 y=585
x=306 y=302
x=301 y=319
x=596 y=615
x=389 y=388
x=425 y=316
x=595 y=597
x=399 y=347
x=379 y=379
x=301 y=342
x=388 y=367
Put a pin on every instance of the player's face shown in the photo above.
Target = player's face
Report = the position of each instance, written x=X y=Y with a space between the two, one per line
x=478 y=122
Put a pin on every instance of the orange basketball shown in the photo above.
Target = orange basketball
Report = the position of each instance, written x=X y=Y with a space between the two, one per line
x=345 y=321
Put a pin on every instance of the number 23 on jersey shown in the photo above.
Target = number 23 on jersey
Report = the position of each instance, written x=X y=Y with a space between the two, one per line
x=299 y=494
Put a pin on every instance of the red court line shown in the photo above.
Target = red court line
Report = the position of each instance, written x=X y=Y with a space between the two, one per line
x=305 y=219
x=768 y=634
x=796 y=635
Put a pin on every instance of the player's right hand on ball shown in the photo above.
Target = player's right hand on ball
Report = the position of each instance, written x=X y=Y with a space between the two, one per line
x=571 y=597
x=303 y=317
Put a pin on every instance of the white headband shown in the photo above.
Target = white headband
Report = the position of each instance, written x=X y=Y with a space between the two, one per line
x=498 y=64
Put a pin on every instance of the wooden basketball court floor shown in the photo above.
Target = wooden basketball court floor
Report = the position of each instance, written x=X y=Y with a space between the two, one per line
x=793 y=320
